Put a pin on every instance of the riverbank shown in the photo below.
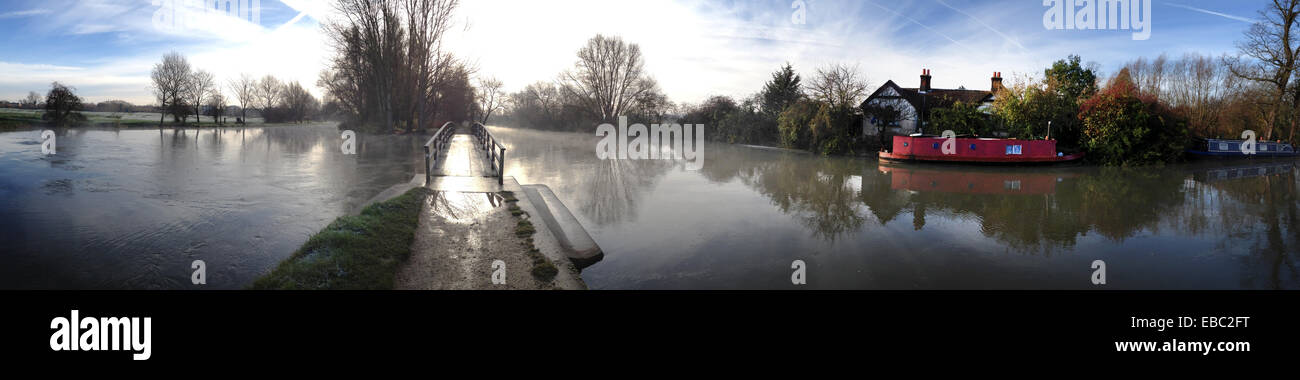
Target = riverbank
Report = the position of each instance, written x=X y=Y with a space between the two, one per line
x=16 y=119
x=479 y=241
x=354 y=252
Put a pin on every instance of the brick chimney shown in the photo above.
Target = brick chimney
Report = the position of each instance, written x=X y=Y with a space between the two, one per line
x=925 y=80
x=997 y=83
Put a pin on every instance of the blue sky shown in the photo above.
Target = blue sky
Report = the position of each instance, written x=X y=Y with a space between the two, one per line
x=695 y=49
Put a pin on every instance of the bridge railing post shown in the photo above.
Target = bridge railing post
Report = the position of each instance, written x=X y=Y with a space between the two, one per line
x=501 y=168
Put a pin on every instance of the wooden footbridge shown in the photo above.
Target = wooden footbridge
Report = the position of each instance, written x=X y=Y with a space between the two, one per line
x=464 y=158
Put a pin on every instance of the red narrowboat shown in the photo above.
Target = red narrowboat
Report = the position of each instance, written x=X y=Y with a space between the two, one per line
x=926 y=148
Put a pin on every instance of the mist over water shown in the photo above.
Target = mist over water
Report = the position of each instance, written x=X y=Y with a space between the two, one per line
x=741 y=220
x=133 y=208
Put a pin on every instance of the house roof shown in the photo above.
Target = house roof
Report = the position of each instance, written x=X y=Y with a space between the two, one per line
x=935 y=98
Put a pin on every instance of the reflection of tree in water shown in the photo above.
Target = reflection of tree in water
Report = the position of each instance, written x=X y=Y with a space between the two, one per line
x=1113 y=202
x=1261 y=213
x=616 y=186
x=816 y=190
x=603 y=191
x=877 y=193
x=1118 y=202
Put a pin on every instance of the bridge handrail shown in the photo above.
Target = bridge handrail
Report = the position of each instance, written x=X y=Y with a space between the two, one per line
x=435 y=146
x=496 y=153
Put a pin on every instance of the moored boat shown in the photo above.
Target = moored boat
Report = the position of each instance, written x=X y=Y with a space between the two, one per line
x=929 y=148
x=1233 y=148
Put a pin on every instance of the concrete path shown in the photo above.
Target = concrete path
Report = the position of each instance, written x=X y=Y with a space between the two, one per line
x=466 y=226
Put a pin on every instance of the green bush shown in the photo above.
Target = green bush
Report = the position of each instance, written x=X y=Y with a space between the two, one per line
x=1122 y=126
x=962 y=118
x=793 y=125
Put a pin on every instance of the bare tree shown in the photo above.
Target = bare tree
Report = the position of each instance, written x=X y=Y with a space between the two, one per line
x=170 y=78
x=201 y=85
x=1273 y=52
x=490 y=99
x=216 y=107
x=62 y=105
x=269 y=90
x=244 y=89
x=840 y=85
x=389 y=64
x=33 y=99
x=608 y=77
x=427 y=22
x=298 y=101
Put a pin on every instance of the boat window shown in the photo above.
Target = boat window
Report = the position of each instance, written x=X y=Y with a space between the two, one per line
x=1013 y=149
x=972 y=146
x=936 y=145
x=1223 y=146
x=905 y=144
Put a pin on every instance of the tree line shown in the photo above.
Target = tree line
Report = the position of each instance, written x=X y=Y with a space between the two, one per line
x=183 y=91
x=1146 y=112
x=608 y=80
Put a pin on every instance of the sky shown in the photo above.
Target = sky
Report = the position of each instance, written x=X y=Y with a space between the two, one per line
x=694 y=49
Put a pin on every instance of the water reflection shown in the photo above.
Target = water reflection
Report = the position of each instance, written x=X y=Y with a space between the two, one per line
x=132 y=208
x=741 y=219
x=611 y=189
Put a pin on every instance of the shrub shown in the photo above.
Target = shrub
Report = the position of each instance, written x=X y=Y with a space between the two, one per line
x=962 y=118
x=62 y=106
x=793 y=125
x=277 y=115
x=1122 y=126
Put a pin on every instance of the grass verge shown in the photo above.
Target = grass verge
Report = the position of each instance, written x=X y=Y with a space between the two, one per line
x=543 y=270
x=353 y=252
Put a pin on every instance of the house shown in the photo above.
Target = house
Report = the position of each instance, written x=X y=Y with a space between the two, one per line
x=902 y=109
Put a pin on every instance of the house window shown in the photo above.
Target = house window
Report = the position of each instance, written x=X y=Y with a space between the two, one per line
x=1013 y=149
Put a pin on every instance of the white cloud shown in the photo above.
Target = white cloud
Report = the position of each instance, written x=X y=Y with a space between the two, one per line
x=693 y=50
x=1210 y=12
x=26 y=13
x=225 y=46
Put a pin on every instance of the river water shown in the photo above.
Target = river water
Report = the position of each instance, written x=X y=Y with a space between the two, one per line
x=748 y=214
x=134 y=208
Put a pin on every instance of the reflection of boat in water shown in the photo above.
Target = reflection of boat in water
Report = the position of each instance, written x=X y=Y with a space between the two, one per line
x=966 y=181
x=922 y=148
x=1232 y=148
x=1258 y=169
